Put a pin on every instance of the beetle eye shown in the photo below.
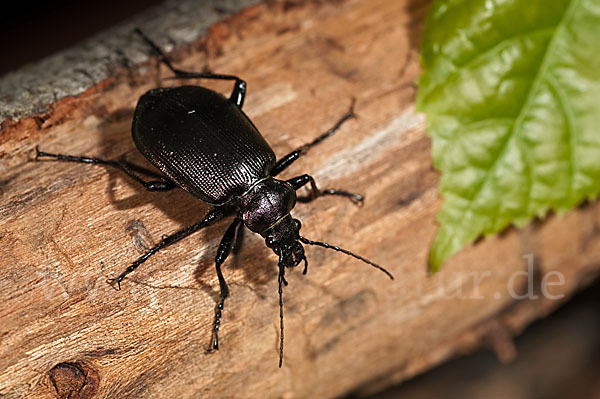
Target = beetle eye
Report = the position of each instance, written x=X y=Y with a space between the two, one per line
x=297 y=224
x=270 y=241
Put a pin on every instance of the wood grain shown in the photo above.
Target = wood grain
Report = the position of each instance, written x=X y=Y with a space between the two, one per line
x=66 y=228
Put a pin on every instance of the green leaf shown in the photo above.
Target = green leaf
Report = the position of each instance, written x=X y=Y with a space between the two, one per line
x=511 y=90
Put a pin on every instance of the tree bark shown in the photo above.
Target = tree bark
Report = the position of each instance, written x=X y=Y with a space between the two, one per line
x=67 y=227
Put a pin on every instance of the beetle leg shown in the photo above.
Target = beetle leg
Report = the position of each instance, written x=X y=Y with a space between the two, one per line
x=213 y=215
x=302 y=180
x=287 y=160
x=155 y=185
x=239 y=89
x=222 y=254
x=281 y=280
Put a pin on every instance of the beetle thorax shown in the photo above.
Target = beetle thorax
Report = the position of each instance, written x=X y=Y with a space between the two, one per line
x=266 y=203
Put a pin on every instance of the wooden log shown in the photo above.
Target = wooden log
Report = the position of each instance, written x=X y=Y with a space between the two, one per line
x=66 y=228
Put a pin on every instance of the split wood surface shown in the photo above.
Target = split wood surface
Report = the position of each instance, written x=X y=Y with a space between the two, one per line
x=66 y=228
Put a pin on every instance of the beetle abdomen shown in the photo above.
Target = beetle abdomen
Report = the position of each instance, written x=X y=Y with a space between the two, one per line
x=202 y=141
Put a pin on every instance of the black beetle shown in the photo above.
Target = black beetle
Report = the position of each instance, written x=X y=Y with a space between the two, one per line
x=204 y=143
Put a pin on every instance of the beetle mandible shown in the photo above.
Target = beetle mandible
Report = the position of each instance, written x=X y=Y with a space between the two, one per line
x=205 y=144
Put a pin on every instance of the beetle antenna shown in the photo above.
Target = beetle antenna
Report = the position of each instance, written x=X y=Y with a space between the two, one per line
x=281 y=283
x=345 y=251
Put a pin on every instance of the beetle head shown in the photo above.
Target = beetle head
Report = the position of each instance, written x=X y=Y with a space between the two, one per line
x=282 y=238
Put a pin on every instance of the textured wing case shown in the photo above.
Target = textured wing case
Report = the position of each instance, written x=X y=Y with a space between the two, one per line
x=202 y=141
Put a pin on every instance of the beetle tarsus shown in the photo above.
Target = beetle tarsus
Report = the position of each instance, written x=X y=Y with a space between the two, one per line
x=290 y=158
x=115 y=282
x=300 y=181
x=154 y=185
x=357 y=199
x=212 y=216
x=222 y=254
x=280 y=291
x=239 y=89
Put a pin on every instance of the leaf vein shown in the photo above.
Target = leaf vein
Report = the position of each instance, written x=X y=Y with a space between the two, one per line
x=519 y=119
x=558 y=95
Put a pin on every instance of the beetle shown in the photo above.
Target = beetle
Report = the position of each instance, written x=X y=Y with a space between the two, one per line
x=205 y=144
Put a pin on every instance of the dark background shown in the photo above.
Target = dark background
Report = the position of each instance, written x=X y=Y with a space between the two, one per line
x=32 y=30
